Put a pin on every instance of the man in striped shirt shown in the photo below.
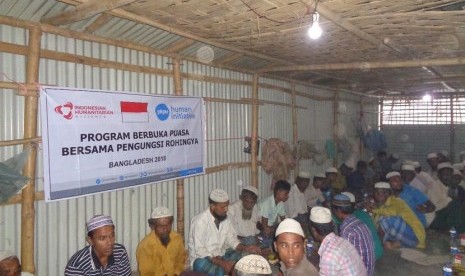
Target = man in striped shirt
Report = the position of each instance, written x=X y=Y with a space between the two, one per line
x=354 y=231
x=102 y=256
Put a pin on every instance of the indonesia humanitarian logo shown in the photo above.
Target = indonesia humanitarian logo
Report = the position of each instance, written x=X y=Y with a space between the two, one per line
x=162 y=111
x=65 y=110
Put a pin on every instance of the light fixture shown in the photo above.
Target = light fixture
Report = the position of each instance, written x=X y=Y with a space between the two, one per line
x=315 y=30
x=427 y=97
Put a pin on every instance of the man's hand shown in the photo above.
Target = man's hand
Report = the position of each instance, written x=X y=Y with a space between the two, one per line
x=252 y=249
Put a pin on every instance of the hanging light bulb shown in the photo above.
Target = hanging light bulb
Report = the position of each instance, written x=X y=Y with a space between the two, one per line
x=315 y=30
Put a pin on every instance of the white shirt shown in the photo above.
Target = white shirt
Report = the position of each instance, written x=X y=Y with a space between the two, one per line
x=244 y=228
x=313 y=196
x=296 y=204
x=207 y=240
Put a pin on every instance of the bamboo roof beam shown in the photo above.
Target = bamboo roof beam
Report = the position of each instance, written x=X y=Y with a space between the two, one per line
x=230 y=57
x=84 y=11
x=180 y=45
x=99 y=22
x=371 y=65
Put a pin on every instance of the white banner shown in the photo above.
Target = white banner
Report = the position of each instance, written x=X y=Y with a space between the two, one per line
x=96 y=141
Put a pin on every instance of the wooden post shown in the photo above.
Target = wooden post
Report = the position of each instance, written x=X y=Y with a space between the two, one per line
x=30 y=131
x=336 y=127
x=254 y=149
x=179 y=182
x=294 y=126
x=452 y=131
x=360 y=142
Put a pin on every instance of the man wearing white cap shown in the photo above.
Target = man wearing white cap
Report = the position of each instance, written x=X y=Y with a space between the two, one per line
x=450 y=212
x=462 y=156
x=415 y=199
x=296 y=205
x=433 y=161
x=252 y=265
x=244 y=215
x=9 y=264
x=213 y=243
x=102 y=256
x=397 y=224
x=337 y=255
x=290 y=247
x=162 y=251
x=314 y=195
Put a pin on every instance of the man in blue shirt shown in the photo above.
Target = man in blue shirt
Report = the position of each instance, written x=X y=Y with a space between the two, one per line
x=415 y=199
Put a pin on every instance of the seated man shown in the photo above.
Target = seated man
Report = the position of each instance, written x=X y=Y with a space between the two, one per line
x=102 y=256
x=398 y=225
x=337 y=255
x=252 y=265
x=290 y=246
x=244 y=216
x=416 y=200
x=272 y=211
x=162 y=251
x=363 y=216
x=9 y=264
x=213 y=243
x=313 y=194
x=296 y=205
x=354 y=231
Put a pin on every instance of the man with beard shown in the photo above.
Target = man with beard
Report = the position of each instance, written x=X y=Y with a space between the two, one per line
x=450 y=212
x=244 y=216
x=213 y=243
x=162 y=251
x=296 y=206
x=416 y=200
x=433 y=160
x=102 y=257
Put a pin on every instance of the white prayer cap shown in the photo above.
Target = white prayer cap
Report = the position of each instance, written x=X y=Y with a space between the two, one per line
x=445 y=152
x=320 y=175
x=320 y=215
x=6 y=254
x=392 y=174
x=350 y=163
x=98 y=221
x=457 y=172
x=290 y=226
x=444 y=165
x=161 y=212
x=218 y=195
x=432 y=155
x=331 y=170
x=407 y=162
x=254 y=264
x=382 y=185
x=350 y=196
x=251 y=188
x=416 y=164
x=303 y=174
x=407 y=167
x=458 y=166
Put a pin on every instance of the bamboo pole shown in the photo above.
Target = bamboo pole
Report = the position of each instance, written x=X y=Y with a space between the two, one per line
x=371 y=65
x=452 y=130
x=294 y=127
x=30 y=131
x=20 y=141
x=335 y=127
x=254 y=148
x=179 y=182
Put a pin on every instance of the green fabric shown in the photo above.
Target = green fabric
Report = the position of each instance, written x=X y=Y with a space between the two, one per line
x=366 y=218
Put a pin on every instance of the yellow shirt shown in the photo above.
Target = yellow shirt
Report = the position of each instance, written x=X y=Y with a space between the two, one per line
x=397 y=207
x=339 y=184
x=156 y=260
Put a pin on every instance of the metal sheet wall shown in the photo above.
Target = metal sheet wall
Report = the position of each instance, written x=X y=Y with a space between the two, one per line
x=60 y=225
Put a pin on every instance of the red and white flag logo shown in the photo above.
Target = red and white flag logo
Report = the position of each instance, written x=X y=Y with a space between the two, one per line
x=134 y=112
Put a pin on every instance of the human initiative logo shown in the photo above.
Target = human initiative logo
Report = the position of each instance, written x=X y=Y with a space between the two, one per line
x=65 y=110
x=162 y=111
